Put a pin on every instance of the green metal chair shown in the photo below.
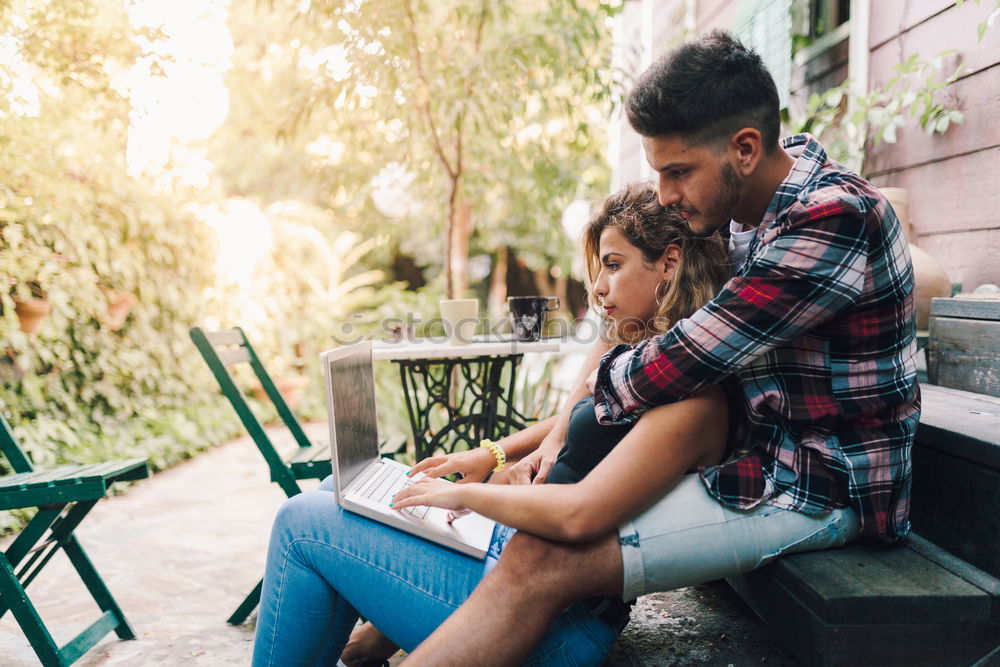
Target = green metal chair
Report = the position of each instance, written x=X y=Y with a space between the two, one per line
x=63 y=496
x=225 y=349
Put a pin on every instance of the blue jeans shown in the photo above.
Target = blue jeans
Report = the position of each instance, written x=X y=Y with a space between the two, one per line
x=326 y=566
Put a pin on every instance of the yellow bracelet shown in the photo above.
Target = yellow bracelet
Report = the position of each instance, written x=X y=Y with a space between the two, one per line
x=497 y=452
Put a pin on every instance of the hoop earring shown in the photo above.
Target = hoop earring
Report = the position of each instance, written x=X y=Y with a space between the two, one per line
x=656 y=292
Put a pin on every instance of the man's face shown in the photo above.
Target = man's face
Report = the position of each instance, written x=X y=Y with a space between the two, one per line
x=696 y=180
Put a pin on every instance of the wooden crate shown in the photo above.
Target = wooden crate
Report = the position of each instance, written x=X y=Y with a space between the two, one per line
x=963 y=351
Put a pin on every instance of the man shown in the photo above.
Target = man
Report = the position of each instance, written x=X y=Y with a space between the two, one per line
x=816 y=327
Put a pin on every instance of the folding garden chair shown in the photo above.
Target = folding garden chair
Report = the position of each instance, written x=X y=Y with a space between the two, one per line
x=63 y=496
x=224 y=349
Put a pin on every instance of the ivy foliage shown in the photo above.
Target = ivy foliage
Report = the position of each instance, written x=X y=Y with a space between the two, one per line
x=76 y=227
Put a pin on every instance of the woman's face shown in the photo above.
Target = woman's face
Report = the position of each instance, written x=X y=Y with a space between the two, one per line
x=626 y=286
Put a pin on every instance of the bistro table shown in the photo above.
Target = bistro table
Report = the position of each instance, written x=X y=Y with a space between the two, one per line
x=457 y=395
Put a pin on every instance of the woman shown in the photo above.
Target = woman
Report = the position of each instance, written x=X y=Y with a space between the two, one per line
x=326 y=566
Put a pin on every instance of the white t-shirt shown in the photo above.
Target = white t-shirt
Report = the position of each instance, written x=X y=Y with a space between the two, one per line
x=739 y=243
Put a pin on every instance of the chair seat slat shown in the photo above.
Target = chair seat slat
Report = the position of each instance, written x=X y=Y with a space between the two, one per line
x=74 y=474
x=320 y=450
x=18 y=478
x=68 y=474
x=50 y=476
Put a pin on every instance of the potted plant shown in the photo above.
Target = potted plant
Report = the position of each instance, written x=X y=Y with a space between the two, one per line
x=119 y=306
x=930 y=280
x=118 y=270
x=30 y=266
x=32 y=309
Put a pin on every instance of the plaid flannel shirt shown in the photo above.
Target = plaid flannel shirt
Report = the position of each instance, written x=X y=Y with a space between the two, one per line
x=817 y=328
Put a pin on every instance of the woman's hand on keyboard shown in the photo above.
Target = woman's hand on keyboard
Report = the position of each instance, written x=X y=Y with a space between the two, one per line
x=473 y=465
x=436 y=493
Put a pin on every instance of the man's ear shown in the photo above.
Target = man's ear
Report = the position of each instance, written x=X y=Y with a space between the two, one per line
x=746 y=147
x=669 y=260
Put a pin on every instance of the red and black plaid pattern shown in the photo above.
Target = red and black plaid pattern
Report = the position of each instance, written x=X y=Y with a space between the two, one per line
x=817 y=327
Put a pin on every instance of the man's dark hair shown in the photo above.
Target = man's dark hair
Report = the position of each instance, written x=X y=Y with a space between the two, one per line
x=705 y=91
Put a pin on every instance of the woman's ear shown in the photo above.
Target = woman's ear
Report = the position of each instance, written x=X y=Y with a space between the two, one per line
x=669 y=260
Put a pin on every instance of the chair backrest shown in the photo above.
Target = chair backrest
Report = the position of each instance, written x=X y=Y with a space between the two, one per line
x=224 y=349
x=16 y=457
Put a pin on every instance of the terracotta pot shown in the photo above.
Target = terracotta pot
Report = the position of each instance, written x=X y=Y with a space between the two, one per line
x=31 y=313
x=119 y=306
x=900 y=202
x=929 y=280
x=929 y=277
x=291 y=388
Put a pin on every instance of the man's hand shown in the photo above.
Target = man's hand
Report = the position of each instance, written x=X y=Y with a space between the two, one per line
x=534 y=468
x=473 y=465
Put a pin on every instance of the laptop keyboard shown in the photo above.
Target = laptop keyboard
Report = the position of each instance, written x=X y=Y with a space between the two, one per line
x=386 y=483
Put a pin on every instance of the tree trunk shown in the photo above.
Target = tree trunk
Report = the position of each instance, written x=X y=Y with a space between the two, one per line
x=461 y=231
x=449 y=233
x=549 y=286
x=456 y=249
x=497 y=306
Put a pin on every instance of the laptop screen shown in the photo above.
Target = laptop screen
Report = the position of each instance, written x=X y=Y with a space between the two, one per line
x=351 y=409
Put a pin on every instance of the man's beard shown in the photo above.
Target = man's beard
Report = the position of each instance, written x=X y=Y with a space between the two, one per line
x=721 y=210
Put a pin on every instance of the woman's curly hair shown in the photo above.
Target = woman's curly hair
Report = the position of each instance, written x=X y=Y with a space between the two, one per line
x=701 y=272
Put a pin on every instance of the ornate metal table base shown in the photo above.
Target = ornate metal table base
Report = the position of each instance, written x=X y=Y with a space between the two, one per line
x=454 y=403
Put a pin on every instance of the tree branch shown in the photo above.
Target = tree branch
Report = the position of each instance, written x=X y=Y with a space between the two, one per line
x=424 y=105
x=469 y=88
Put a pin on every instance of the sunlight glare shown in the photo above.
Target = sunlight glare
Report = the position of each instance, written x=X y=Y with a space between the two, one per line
x=331 y=61
x=16 y=79
x=191 y=100
x=391 y=191
x=245 y=237
x=329 y=151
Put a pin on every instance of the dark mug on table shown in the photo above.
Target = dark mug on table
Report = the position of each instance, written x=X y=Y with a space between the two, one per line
x=527 y=315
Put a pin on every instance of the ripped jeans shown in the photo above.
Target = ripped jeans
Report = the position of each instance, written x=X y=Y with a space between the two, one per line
x=688 y=537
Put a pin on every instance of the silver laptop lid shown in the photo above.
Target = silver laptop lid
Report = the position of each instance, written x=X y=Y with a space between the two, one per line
x=350 y=391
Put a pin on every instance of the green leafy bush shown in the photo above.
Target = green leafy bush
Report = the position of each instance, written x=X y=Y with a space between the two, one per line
x=75 y=224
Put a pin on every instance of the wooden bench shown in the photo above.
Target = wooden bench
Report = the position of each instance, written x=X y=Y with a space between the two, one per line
x=933 y=601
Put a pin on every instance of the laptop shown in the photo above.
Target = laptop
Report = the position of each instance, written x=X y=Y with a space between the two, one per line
x=364 y=482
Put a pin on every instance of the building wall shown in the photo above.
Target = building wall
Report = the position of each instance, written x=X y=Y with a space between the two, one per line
x=953 y=180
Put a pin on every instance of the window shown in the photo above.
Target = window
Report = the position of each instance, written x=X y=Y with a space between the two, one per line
x=766 y=27
x=826 y=15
